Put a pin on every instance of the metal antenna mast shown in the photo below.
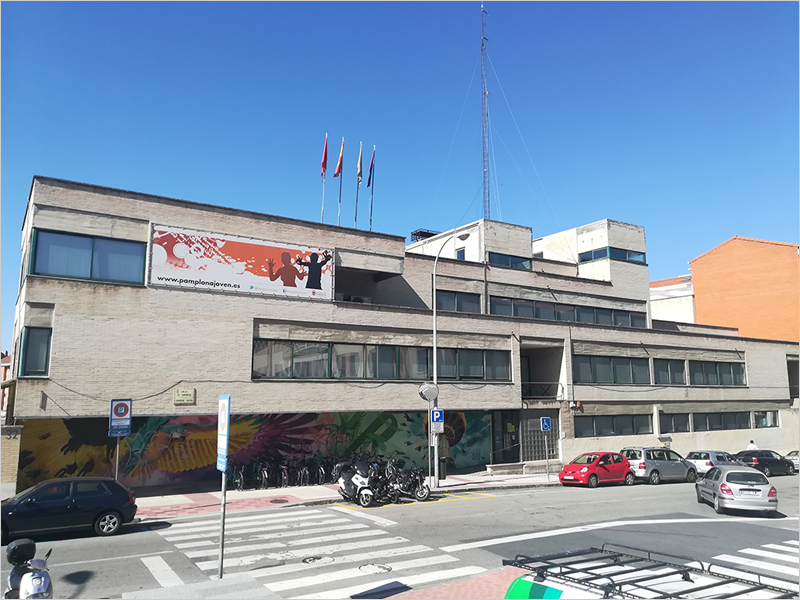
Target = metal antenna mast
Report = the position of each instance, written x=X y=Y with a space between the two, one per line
x=485 y=123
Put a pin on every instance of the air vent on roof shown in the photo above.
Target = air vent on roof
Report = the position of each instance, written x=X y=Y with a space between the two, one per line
x=423 y=234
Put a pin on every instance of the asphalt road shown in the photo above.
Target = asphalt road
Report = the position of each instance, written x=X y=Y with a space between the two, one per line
x=337 y=551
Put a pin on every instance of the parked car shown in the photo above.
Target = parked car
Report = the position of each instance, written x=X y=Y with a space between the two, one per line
x=659 y=464
x=594 y=468
x=69 y=503
x=768 y=462
x=794 y=456
x=742 y=488
x=703 y=460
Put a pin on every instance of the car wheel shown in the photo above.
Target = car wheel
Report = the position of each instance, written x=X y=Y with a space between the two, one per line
x=629 y=479
x=655 y=478
x=767 y=471
x=691 y=476
x=108 y=523
x=699 y=495
x=790 y=470
x=717 y=507
x=593 y=481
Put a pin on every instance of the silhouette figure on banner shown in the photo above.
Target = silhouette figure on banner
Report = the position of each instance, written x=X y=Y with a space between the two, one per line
x=288 y=273
x=314 y=281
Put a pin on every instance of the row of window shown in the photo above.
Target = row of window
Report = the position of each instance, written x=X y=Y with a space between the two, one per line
x=274 y=359
x=615 y=253
x=608 y=369
x=530 y=309
x=506 y=260
x=87 y=257
x=611 y=425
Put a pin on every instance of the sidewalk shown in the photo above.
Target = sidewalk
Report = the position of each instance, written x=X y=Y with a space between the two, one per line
x=182 y=500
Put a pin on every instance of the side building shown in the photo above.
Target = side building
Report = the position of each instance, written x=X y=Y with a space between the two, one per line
x=322 y=335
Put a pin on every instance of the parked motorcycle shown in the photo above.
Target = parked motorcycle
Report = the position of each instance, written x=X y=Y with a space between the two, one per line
x=382 y=484
x=354 y=482
x=408 y=482
x=29 y=577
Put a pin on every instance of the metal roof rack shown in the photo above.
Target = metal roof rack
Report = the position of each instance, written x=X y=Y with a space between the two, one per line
x=617 y=571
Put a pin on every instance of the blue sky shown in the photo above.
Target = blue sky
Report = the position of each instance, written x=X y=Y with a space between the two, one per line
x=681 y=117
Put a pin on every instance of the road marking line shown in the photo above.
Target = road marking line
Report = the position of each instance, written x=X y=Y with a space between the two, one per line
x=287 y=526
x=195 y=544
x=85 y=562
x=792 y=542
x=591 y=527
x=482 y=494
x=337 y=560
x=291 y=584
x=161 y=571
x=234 y=550
x=772 y=555
x=359 y=512
x=271 y=516
x=255 y=525
x=779 y=547
x=393 y=582
x=757 y=563
x=299 y=553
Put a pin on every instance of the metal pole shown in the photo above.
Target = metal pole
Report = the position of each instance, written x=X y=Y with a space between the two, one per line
x=435 y=375
x=116 y=469
x=222 y=524
x=546 y=457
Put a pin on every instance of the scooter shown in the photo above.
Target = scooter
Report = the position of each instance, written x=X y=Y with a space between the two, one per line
x=29 y=577
x=354 y=483
x=409 y=482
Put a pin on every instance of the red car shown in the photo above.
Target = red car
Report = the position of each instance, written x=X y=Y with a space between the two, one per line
x=594 y=468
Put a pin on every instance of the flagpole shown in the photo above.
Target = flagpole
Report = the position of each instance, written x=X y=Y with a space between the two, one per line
x=339 y=218
x=322 y=216
x=324 y=174
x=358 y=186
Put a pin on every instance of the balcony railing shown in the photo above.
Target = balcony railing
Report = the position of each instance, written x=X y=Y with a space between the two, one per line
x=542 y=390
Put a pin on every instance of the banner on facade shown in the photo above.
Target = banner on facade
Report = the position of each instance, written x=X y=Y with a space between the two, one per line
x=183 y=258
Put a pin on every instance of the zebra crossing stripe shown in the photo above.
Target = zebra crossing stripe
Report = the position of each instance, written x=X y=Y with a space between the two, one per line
x=279 y=514
x=772 y=555
x=757 y=563
x=239 y=526
x=291 y=584
x=364 y=515
x=399 y=582
x=161 y=571
x=756 y=578
x=792 y=542
x=298 y=553
x=195 y=544
x=337 y=560
x=284 y=526
x=779 y=547
x=215 y=551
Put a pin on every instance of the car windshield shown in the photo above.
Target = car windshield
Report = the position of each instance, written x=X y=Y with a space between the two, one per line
x=585 y=459
x=793 y=453
x=746 y=478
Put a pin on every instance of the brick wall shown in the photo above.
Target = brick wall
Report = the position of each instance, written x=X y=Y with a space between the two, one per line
x=749 y=284
x=9 y=453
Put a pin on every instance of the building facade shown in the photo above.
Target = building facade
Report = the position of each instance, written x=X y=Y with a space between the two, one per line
x=322 y=335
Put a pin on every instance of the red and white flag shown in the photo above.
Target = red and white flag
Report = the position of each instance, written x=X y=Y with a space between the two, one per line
x=338 y=170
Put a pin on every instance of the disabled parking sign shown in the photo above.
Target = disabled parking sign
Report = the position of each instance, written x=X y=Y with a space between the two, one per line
x=545 y=423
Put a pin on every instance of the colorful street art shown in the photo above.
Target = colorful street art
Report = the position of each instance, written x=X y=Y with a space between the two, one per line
x=171 y=450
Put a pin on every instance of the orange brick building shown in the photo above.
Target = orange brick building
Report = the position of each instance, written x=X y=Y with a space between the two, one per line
x=749 y=284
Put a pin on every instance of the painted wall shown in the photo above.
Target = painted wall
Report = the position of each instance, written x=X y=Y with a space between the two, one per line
x=166 y=450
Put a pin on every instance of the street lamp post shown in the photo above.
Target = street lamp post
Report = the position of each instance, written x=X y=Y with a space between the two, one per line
x=461 y=237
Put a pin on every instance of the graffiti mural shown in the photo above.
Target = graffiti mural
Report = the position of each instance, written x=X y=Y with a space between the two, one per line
x=169 y=450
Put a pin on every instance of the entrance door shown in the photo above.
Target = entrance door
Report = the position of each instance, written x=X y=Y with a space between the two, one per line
x=505 y=438
x=538 y=444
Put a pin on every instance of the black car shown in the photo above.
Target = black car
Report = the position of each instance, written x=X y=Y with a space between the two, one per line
x=69 y=503
x=766 y=461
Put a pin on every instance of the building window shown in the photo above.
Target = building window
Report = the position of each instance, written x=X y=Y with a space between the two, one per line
x=87 y=257
x=272 y=359
x=381 y=362
x=603 y=426
x=677 y=423
x=498 y=365
x=565 y=312
x=669 y=372
x=460 y=253
x=447 y=363
x=606 y=369
x=35 y=351
x=721 y=421
x=415 y=363
x=615 y=253
x=545 y=310
x=310 y=360
x=347 y=361
x=766 y=418
x=715 y=373
x=458 y=301
x=506 y=260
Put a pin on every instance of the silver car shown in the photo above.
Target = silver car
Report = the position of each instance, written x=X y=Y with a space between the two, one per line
x=794 y=456
x=737 y=487
x=657 y=464
x=703 y=460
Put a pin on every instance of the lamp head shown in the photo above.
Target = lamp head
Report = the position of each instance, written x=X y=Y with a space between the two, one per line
x=463 y=236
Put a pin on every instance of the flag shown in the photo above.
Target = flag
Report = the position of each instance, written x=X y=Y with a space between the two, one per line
x=359 y=162
x=325 y=157
x=338 y=170
x=371 y=167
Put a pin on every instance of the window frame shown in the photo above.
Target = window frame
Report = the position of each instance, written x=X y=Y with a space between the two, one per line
x=25 y=348
x=704 y=368
x=614 y=364
x=35 y=250
x=616 y=425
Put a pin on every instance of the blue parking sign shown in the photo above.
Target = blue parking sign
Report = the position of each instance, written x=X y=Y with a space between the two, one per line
x=545 y=423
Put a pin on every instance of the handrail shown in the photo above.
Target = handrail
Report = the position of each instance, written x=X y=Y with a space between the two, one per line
x=491 y=459
x=545 y=387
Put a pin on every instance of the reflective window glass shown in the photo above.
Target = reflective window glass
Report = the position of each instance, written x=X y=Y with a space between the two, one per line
x=498 y=365
x=604 y=425
x=35 y=351
x=445 y=300
x=272 y=359
x=601 y=367
x=622 y=370
x=622 y=318
x=545 y=310
x=446 y=359
x=500 y=306
x=641 y=370
x=565 y=312
x=604 y=316
x=347 y=361
x=639 y=320
x=63 y=255
x=381 y=362
x=710 y=373
x=469 y=303
x=623 y=425
x=310 y=360
x=585 y=314
x=584 y=427
x=523 y=308
x=415 y=363
x=118 y=260
x=643 y=424
x=470 y=364
x=619 y=253
x=582 y=369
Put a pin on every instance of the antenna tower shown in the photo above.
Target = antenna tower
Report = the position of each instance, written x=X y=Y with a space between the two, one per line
x=485 y=122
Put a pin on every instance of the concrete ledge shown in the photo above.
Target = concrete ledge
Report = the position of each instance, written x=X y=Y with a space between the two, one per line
x=506 y=469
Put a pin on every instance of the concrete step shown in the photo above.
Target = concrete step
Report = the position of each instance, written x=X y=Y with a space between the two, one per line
x=231 y=587
x=532 y=467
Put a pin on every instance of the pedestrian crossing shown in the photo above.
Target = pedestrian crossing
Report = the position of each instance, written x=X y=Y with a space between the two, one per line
x=781 y=560
x=316 y=553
